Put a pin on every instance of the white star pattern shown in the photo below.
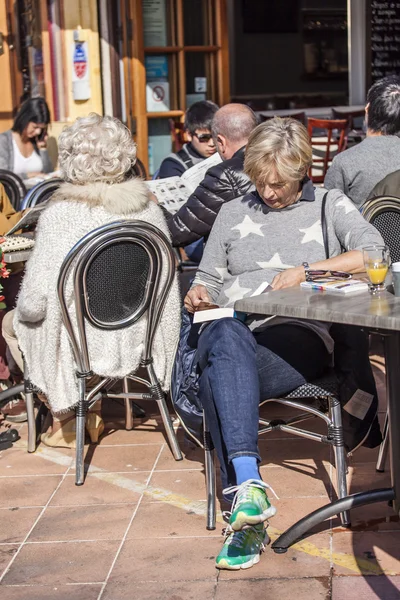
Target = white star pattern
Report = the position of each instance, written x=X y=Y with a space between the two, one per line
x=274 y=263
x=347 y=240
x=313 y=233
x=347 y=205
x=222 y=272
x=247 y=226
x=235 y=292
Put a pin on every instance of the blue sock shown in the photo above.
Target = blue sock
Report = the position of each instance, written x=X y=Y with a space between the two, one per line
x=246 y=467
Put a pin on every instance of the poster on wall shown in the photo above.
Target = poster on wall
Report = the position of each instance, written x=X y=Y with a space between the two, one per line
x=154 y=22
x=80 y=71
x=157 y=96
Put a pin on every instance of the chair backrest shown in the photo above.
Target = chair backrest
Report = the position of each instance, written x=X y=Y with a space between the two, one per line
x=350 y=115
x=41 y=192
x=330 y=129
x=299 y=116
x=14 y=187
x=383 y=213
x=178 y=134
x=136 y=255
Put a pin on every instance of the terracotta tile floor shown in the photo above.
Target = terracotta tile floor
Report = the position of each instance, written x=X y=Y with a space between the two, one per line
x=136 y=529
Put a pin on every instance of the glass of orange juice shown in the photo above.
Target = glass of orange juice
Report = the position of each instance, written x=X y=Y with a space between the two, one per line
x=376 y=261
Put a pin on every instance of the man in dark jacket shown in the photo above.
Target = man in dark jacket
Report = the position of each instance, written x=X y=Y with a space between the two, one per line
x=231 y=128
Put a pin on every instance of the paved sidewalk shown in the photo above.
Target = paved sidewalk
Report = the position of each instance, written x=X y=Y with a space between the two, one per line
x=136 y=529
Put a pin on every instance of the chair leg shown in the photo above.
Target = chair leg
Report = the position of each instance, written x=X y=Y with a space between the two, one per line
x=158 y=395
x=128 y=406
x=384 y=447
x=80 y=434
x=340 y=456
x=30 y=410
x=209 y=464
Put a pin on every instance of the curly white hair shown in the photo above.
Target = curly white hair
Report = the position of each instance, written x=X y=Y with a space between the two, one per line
x=96 y=148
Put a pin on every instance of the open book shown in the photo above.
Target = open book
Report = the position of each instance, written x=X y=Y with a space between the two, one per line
x=337 y=286
x=172 y=192
x=30 y=217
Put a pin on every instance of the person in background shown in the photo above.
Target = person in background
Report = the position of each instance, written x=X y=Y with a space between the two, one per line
x=201 y=145
x=23 y=148
x=357 y=170
x=224 y=182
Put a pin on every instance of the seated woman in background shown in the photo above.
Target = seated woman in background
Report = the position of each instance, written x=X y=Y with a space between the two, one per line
x=271 y=236
x=95 y=155
x=23 y=147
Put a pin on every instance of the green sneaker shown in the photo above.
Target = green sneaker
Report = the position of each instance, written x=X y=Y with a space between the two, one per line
x=251 y=504
x=242 y=549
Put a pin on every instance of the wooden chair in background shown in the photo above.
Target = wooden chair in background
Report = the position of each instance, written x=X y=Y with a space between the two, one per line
x=299 y=116
x=334 y=135
x=178 y=134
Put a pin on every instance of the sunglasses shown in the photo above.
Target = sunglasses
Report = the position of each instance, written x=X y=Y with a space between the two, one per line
x=203 y=137
x=315 y=275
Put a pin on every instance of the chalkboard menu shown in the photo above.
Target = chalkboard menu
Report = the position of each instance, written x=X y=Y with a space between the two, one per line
x=384 y=39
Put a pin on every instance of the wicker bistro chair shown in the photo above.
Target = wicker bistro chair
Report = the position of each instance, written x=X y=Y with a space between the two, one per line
x=324 y=405
x=137 y=253
x=384 y=214
x=41 y=192
x=14 y=186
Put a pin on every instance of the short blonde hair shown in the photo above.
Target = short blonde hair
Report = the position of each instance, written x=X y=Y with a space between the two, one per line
x=96 y=148
x=279 y=144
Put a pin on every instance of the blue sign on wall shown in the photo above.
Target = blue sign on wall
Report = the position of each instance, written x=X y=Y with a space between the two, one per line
x=156 y=68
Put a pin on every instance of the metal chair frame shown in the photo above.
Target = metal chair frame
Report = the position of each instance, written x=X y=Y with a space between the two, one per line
x=14 y=186
x=35 y=195
x=334 y=438
x=77 y=263
x=370 y=210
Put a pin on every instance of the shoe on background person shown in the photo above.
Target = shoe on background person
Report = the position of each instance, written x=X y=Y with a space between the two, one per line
x=15 y=409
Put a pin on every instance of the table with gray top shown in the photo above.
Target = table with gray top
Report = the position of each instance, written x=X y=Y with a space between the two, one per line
x=378 y=313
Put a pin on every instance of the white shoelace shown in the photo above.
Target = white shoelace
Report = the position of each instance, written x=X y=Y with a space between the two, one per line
x=242 y=493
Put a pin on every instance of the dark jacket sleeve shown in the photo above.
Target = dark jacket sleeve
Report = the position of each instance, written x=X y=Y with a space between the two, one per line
x=196 y=217
x=389 y=186
x=170 y=168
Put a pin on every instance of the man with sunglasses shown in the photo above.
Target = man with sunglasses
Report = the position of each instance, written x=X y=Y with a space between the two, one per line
x=200 y=146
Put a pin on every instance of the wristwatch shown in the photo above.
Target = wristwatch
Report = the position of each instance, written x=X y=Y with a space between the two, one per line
x=306 y=270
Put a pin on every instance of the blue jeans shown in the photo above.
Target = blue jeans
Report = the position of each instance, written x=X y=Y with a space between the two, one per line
x=238 y=369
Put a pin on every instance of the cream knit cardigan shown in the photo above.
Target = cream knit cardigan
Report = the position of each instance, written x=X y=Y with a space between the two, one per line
x=74 y=211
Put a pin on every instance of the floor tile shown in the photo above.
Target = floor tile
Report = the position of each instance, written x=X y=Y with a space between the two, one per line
x=101 y=488
x=51 y=564
x=367 y=588
x=197 y=590
x=185 y=483
x=297 y=480
x=6 y=553
x=59 y=592
x=148 y=432
x=166 y=560
x=278 y=452
x=16 y=461
x=290 y=510
x=27 y=491
x=163 y=520
x=295 y=564
x=16 y=523
x=83 y=523
x=374 y=517
x=270 y=589
x=193 y=459
x=123 y=458
x=378 y=552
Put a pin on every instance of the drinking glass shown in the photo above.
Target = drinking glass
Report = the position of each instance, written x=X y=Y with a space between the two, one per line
x=376 y=261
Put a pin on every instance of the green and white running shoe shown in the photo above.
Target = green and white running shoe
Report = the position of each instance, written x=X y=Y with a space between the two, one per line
x=242 y=549
x=251 y=504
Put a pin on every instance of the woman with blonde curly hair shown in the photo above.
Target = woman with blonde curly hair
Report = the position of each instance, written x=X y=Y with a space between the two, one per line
x=95 y=155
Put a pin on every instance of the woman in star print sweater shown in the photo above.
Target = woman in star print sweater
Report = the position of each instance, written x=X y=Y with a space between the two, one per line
x=270 y=236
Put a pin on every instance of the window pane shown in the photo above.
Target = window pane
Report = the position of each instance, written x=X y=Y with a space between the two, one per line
x=161 y=82
x=160 y=143
x=197 y=23
x=200 y=76
x=158 y=23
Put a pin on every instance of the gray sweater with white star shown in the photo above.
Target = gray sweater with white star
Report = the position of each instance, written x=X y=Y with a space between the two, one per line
x=250 y=243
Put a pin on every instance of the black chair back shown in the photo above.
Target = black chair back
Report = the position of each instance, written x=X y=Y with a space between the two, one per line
x=14 y=187
x=384 y=214
x=41 y=192
x=117 y=273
